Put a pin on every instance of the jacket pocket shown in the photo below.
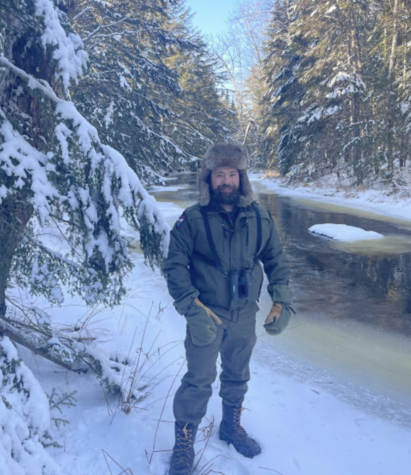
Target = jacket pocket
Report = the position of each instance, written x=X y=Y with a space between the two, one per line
x=213 y=286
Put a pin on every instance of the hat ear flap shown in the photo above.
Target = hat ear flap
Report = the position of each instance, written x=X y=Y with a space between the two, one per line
x=245 y=189
x=204 y=187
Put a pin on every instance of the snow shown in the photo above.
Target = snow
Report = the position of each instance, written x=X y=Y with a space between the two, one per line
x=355 y=84
x=63 y=133
x=342 y=76
x=19 y=159
x=170 y=211
x=304 y=426
x=70 y=55
x=24 y=419
x=312 y=115
x=123 y=82
x=405 y=107
x=33 y=166
x=156 y=188
x=108 y=118
x=379 y=202
x=342 y=232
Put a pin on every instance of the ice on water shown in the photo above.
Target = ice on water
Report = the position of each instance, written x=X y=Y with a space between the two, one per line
x=342 y=232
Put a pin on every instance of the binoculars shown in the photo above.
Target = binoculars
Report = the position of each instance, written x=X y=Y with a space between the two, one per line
x=240 y=284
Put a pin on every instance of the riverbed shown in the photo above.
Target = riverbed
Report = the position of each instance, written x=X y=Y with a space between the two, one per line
x=351 y=334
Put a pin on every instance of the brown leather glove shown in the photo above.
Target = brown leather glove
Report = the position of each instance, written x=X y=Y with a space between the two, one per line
x=210 y=313
x=278 y=318
x=202 y=323
x=274 y=314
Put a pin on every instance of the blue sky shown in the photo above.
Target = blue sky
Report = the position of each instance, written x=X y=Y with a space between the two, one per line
x=211 y=15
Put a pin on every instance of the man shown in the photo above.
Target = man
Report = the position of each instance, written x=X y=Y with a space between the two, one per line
x=214 y=274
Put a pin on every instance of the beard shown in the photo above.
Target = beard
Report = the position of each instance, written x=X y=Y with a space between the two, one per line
x=221 y=196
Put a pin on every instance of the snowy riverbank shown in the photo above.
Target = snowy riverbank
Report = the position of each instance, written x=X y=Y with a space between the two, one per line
x=380 y=202
x=304 y=427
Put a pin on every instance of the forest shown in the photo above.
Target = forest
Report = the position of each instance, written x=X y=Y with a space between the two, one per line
x=325 y=88
x=99 y=100
x=338 y=93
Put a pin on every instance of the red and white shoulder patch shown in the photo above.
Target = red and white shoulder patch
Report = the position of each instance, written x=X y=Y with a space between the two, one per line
x=180 y=220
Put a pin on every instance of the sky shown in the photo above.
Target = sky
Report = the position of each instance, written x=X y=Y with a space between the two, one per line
x=211 y=15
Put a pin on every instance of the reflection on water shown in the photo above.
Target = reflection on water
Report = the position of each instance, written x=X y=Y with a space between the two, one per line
x=187 y=193
x=386 y=245
x=353 y=303
x=323 y=205
x=367 y=281
x=359 y=280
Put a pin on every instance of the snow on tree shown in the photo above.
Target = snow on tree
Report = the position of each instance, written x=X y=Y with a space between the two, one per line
x=137 y=97
x=337 y=77
x=129 y=92
x=323 y=63
x=54 y=170
x=25 y=418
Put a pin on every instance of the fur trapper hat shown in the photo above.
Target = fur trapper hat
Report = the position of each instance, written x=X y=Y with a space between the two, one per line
x=225 y=155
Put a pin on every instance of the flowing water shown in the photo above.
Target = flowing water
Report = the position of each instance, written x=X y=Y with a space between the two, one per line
x=352 y=331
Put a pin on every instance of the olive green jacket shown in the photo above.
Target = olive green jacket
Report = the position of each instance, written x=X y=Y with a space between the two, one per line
x=190 y=268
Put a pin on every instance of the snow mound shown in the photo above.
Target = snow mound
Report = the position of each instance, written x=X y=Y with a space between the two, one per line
x=342 y=232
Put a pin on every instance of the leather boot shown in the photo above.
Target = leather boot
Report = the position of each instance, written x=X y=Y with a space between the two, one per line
x=182 y=459
x=232 y=432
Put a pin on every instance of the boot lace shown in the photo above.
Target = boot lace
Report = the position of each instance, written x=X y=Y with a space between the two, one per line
x=238 y=428
x=184 y=443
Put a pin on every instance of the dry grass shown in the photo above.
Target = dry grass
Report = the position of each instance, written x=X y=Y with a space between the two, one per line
x=110 y=461
x=271 y=174
x=206 y=433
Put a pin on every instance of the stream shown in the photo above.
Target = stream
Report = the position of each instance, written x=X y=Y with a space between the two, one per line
x=352 y=331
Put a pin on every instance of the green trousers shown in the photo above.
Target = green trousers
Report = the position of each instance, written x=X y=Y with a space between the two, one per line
x=235 y=341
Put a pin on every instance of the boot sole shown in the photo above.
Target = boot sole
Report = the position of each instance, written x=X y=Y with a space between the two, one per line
x=244 y=454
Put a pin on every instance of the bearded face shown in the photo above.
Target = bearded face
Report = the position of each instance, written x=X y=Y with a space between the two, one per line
x=225 y=185
x=226 y=195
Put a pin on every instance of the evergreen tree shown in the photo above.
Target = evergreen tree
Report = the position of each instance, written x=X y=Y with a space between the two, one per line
x=129 y=92
x=55 y=171
x=25 y=418
x=390 y=82
x=337 y=82
x=204 y=115
x=280 y=63
x=404 y=82
x=322 y=84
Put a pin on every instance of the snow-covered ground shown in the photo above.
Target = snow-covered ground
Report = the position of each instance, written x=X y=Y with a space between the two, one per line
x=303 y=428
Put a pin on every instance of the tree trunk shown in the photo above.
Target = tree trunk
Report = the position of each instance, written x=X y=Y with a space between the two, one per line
x=391 y=95
x=391 y=64
x=15 y=213
x=354 y=59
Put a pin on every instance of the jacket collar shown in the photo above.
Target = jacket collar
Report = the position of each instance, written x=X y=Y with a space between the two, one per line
x=240 y=211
